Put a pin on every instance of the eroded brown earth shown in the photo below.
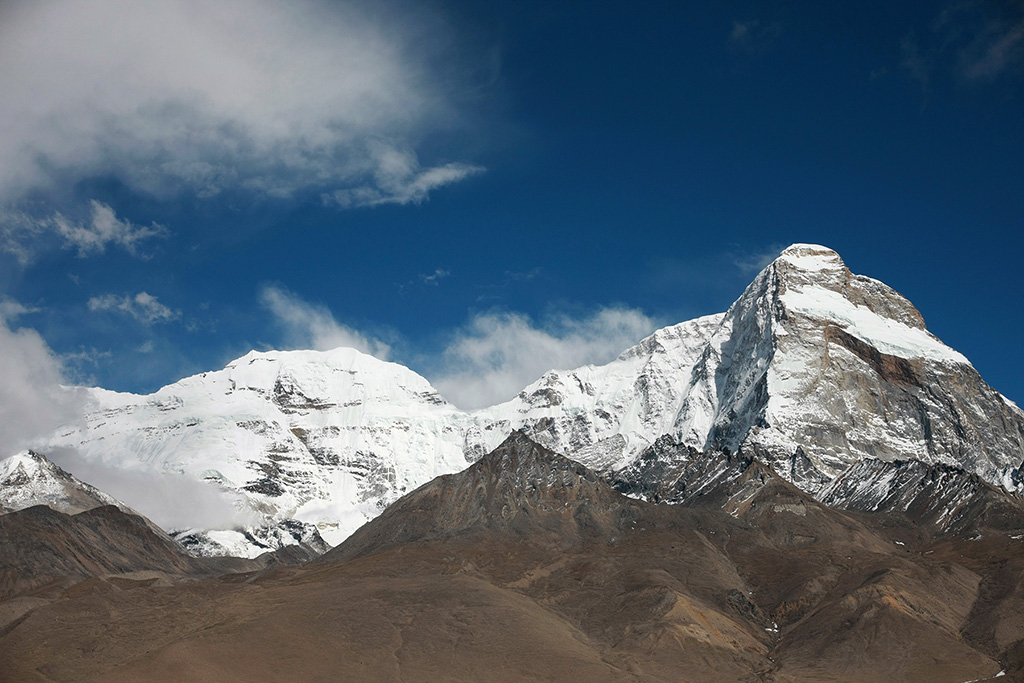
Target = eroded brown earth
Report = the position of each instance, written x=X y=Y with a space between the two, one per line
x=527 y=567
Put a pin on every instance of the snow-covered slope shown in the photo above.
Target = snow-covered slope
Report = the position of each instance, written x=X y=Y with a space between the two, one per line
x=324 y=437
x=811 y=370
x=604 y=415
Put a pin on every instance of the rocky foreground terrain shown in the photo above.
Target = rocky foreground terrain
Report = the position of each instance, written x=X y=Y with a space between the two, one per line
x=528 y=566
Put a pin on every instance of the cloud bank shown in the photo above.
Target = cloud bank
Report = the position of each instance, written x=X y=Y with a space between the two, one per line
x=33 y=401
x=173 y=501
x=267 y=97
x=497 y=354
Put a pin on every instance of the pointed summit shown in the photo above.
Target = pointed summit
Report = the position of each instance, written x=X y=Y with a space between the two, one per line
x=29 y=478
x=813 y=356
x=521 y=489
x=800 y=266
x=811 y=257
x=810 y=359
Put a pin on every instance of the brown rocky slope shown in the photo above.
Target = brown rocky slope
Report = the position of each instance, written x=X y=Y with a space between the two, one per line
x=527 y=567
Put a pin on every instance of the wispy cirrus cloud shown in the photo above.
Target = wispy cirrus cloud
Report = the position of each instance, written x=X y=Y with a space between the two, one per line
x=95 y=228
x=754 y=36
x=264 y=97
x=973 y=42
x=752 y=262
x=143 y=307
x=104 y=228
x=399 y=179
x=435 y=277
x=313 y=326
x=11 y=309
x=994 y=53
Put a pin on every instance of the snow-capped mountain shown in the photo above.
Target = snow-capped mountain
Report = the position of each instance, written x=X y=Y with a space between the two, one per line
x=812 y=363
x=328 y=438
x=811 y=370
x=29 y=478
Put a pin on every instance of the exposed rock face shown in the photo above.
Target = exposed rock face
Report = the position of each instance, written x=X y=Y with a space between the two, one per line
x=671 y=473
x=521 y=489
x=946 y=499
x=939 y=499
x=811 y=370
x=297 y=539
x=854 y=374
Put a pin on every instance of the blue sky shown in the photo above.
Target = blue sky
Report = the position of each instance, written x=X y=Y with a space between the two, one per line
x=482 y=191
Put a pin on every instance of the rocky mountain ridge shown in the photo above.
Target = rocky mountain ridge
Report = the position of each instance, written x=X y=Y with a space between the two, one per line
x=529 y=566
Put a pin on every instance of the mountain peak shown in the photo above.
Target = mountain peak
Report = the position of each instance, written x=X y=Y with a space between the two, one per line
x=529 y=471
x=811 y=257
x=814 y=279
x=30 y=478
x=520 y=488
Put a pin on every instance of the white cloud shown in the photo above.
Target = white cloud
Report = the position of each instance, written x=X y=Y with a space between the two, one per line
x=435 y=277
x=312 y=326
x=270 y=97
x=11 y=309
x=173 y=501
x=497 y=354
x=486 y=361
x=143 y=306
x=398 y=179
x=103 y=228
x=33 y=401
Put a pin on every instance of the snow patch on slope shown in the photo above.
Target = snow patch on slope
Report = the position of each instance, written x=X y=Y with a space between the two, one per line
x=887 y=335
